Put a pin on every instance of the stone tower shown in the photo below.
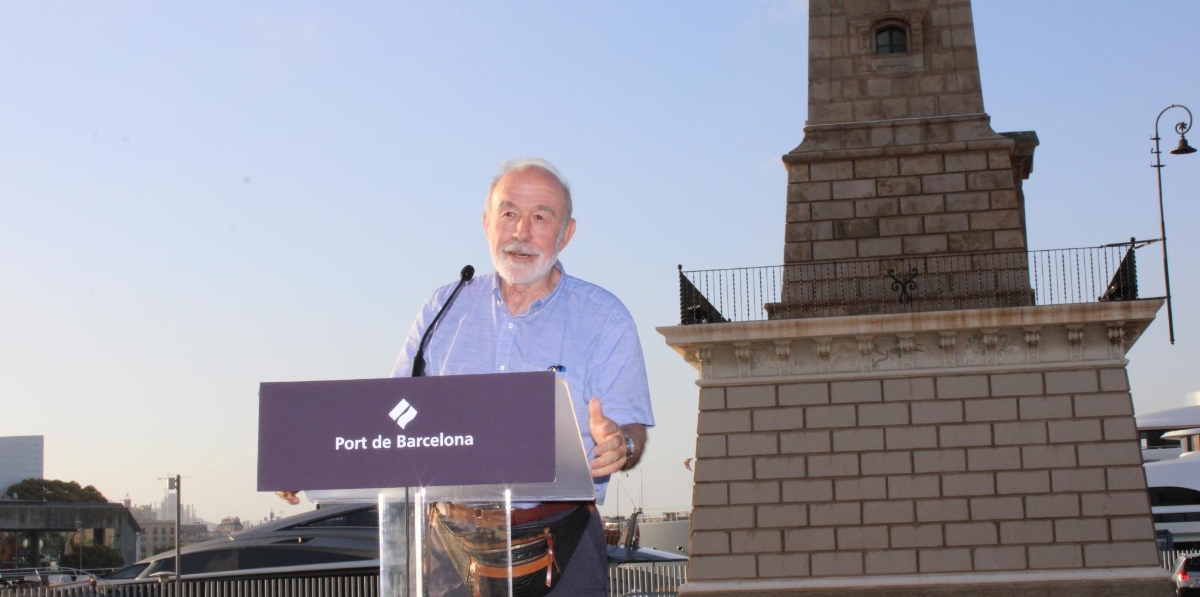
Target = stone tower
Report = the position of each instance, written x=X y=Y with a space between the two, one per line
x=899 y=161
x=898 y=157
x=966 y=436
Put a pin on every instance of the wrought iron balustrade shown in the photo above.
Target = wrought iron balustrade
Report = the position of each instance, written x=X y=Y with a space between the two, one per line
x=910 y=284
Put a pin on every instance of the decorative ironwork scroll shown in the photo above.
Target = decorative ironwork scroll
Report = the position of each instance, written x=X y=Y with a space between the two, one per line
x=905 y=286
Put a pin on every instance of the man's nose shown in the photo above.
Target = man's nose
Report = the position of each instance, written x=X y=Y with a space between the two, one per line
x=522 y=230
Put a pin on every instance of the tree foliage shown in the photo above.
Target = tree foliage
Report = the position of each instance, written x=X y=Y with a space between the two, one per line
x=53 y=490
x=95 y=557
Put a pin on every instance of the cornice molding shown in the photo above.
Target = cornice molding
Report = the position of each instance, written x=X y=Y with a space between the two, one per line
x=1017 y=338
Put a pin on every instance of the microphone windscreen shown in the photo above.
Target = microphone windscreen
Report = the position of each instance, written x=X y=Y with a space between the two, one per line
x=468 y=272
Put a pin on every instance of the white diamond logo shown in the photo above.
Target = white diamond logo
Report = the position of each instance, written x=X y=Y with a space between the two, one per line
x=403 y=413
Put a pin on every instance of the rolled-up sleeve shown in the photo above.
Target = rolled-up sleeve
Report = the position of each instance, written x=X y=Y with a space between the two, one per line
x=618 y=377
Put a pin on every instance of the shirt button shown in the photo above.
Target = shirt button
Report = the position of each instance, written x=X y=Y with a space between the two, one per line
x=502 y=367
x=510 y=326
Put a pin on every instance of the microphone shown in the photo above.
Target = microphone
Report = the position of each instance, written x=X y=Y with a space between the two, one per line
x=418 y=366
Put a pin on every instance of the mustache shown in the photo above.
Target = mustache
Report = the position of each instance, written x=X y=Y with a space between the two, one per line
x=516 y=246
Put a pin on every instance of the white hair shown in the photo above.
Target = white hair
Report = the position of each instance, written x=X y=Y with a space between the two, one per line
x=532 y=164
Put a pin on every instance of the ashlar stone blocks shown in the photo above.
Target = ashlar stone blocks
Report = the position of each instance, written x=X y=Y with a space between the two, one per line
x=958 y=193
x=1015 y=473
x=953 y=462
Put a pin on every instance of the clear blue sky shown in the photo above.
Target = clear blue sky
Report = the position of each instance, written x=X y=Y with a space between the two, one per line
x=198 y=197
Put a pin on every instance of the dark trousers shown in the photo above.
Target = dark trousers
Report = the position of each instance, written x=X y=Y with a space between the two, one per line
x=586 y=575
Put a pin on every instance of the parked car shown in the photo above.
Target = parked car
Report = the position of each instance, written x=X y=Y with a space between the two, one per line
x=1186 y=575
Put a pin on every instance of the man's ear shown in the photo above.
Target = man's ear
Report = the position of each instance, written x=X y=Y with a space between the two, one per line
x=567 y=234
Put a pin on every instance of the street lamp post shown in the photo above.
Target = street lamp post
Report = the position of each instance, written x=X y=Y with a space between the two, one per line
x=1183 y=148
x=174 y=483
x=79 y=528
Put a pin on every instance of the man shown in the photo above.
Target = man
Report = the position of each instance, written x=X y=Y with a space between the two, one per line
x=531 y=316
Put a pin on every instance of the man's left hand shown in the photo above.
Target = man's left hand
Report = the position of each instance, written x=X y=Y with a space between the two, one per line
x=609 y=453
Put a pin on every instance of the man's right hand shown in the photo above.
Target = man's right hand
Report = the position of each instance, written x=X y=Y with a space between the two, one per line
x=289 y=497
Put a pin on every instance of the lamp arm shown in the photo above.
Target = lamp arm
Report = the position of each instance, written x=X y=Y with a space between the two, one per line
x=1181 y=128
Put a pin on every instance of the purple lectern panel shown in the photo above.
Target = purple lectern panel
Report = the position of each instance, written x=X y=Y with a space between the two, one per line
x=406 y=432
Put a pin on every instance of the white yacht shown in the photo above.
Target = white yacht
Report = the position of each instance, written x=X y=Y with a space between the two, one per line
x=1153 y=428
x=1171 y=451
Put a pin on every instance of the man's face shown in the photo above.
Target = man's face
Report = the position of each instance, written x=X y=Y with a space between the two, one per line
x=524 y=225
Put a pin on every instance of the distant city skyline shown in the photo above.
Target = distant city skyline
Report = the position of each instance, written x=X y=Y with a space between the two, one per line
x=197 y=199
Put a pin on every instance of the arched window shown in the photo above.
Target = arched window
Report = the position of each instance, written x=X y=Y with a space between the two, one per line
x=891 y=39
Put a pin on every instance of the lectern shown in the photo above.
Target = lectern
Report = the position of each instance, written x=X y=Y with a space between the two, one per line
x=489 y=443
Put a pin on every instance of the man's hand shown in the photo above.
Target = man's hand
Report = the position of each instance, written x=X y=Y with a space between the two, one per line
x=608 y=456
x=289 y=497
x=609 y=453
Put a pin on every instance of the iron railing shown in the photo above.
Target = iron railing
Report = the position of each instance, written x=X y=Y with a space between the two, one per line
x=353 y=585
x=910 y=284
x=650 y=578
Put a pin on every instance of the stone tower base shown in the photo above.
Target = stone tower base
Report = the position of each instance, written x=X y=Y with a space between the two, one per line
x=981 y=452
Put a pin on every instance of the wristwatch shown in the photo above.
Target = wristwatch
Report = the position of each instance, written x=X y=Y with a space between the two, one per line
x=628 y=447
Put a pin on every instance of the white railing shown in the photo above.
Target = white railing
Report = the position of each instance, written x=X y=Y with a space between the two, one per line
x=363 y=585
x=652 y=578
x=1167 y=558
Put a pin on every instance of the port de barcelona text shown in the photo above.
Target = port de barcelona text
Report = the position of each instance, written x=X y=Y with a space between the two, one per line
x=440 y=440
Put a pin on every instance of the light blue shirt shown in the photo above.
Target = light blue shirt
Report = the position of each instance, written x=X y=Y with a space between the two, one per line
x=579 y=326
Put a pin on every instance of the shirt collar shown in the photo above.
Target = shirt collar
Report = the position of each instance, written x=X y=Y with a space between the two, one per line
x=535 y=305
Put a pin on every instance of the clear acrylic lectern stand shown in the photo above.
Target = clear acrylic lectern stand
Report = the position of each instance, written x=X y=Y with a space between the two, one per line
x=405 y=513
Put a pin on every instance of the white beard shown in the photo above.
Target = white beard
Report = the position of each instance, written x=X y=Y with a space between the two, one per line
x=515 y=272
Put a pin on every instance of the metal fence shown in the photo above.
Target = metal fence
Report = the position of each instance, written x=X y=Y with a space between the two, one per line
x=652 y=578
x=913 y=284
x=360 y=585
x=1167 y=558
